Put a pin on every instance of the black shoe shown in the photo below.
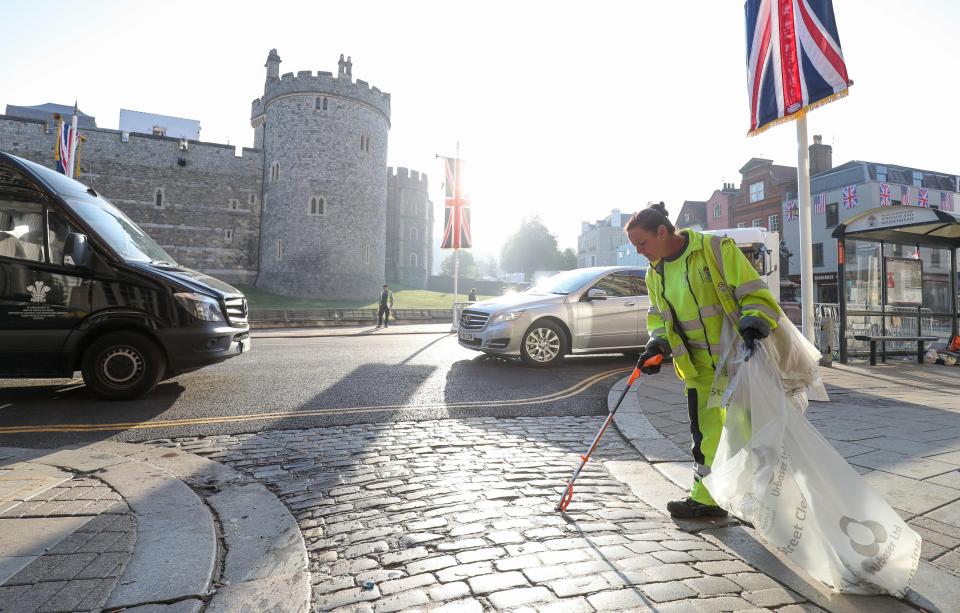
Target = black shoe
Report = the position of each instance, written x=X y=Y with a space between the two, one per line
x=688 y=508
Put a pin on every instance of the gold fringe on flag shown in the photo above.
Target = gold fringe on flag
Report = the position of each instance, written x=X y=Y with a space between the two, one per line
x=56 y=143
x=801 y=113
x=76 y=172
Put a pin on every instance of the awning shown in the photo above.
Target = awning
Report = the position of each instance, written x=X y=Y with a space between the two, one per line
x=907 y=225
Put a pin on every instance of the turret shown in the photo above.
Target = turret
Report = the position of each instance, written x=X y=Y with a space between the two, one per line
x=273 y=68
x=345 y=68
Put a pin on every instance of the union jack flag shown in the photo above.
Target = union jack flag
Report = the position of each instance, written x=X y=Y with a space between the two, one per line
x=904 y=195
x=65 y=152
x=794 y=59
x=849 y=196
x=946 y=201
x=790 y=210
x=923 y=198
x=885 y=195
x=456 y=225
x=820 y=204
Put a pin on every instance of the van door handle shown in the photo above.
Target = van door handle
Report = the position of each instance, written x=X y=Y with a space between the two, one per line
x=630 y=304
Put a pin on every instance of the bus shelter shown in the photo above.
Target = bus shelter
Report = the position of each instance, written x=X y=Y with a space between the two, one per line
x=897 y=272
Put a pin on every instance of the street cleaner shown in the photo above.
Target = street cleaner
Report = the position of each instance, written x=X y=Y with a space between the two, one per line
x=748 y=374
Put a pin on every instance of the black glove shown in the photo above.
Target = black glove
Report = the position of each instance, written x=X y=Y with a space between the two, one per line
x=646 y=355
x=751 y=336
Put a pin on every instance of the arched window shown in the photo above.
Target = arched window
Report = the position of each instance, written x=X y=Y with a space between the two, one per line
x=317 y=205
x=313 y=206
x=158 y=198
x=321 y=206
x=324 y=103
x=318 y=104
x=414 y=235
x=413 y=260
x=275 y=172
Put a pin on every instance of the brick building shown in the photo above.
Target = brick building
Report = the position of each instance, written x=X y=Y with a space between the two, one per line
x=763 y=189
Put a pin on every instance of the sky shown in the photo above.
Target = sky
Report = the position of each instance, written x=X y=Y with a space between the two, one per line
x=564 y=110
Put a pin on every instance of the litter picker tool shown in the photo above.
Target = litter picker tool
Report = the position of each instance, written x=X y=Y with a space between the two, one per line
x=568 y=492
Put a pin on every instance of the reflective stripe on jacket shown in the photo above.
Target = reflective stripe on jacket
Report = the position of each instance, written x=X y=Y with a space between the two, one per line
x=712 y=278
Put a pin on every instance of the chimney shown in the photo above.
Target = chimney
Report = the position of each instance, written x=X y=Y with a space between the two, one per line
x=821 y=156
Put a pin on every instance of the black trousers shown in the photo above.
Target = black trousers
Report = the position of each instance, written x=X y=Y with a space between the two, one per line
x=384 y=315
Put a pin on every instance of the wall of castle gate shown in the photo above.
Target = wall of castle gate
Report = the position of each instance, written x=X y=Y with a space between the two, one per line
x=202 y=204
x=409 y=253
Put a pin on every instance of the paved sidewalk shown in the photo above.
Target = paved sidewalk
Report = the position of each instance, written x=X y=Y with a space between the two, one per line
x=369 y=329
x=116 y=526
x=898 y=425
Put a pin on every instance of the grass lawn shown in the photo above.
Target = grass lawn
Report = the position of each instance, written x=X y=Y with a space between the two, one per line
x=403 y=298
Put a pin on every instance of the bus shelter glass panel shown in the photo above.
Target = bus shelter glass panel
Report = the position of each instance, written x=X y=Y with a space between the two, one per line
x=861 y=284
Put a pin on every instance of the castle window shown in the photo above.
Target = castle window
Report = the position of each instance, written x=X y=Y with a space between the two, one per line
x=365 y=143
x=366 y=254
x=413 y=260
x=158 y=198
x=234 y=204
x=275 y=172
x=318 y=104
x=413 y=234
x=279 y=249
x=317 y=206
x=324 y=103
x=253 y=199
x=228 y=234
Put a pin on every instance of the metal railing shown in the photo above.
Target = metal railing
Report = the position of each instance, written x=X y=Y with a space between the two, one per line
x=346 y=315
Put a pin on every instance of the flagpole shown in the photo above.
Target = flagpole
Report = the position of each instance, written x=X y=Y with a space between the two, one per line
x=806 y=235
x=73 y=144
x=456 y=239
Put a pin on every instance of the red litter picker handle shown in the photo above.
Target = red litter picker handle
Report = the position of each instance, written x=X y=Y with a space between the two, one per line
x=568 y=491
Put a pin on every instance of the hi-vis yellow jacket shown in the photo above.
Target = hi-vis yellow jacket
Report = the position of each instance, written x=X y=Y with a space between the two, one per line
x=691 y=295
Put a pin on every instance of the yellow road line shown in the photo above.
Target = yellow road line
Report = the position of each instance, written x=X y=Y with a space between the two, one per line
x=144 y=425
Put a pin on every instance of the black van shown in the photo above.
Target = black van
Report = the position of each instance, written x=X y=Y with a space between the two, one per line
x=83 y=288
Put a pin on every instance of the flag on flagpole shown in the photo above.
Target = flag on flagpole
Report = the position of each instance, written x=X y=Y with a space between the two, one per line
x=885 y=195
x=946 y=201
x=456 y=225
x=66 y=148
x=820 y=204
x=794 y=59
x=905 y=195
x=849 y=196
x=923 y=198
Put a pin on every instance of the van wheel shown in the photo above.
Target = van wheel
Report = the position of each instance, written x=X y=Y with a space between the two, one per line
x=543 y=344
x=122 y=365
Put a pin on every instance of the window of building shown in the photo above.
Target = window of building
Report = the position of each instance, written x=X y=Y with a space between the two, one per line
x=324 y=103
x=228 y=234
x=881 y=173
x=253 y=199
x=414 y=235
x=365 y=143
x=234 y=204
x=366 y=254
x=818 y=254
x=279 y=249
x=742 y=224
x=413 y=260
x=917 y=178
x=756 y=223
x=935 y=257
x=717 y=211
x=317 y=206
x=833 y=215
x=158 y=198
x=756 y=191
x=275 y=172
x=773 y=223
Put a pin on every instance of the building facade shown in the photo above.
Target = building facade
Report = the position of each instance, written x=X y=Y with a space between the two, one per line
x=598 y=242
x=303 y=212
x=693 y=215
x=840 y=193
x=763 y=188
x=719 y=207
x=409 y=255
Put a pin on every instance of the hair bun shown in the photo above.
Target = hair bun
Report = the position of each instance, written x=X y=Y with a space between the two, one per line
x=658 y=206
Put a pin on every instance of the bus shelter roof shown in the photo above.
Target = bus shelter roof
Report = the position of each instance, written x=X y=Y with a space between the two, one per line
x=906 y=225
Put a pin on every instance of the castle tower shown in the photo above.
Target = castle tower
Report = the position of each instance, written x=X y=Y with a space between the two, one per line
x=324 y=142
x=409 y=251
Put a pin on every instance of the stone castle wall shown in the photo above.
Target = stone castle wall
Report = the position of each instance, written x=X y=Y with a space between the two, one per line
x=209 y=213
x=409 y=252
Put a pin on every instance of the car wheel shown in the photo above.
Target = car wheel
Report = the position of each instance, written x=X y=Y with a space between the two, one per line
x=122 y=365
x=543 y=344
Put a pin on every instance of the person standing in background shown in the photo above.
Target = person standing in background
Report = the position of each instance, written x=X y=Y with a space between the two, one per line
x=386 y=303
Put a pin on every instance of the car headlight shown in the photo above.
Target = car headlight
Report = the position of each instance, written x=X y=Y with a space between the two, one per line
x=508 y=316
x=200 y=306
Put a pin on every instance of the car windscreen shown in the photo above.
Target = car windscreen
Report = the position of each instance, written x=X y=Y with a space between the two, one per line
x=118 y=231
x=565 y=282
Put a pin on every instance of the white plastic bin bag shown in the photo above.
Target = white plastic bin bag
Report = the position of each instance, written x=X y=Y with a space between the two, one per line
x=773 y=469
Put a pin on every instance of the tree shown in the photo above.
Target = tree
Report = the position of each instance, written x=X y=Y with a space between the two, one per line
x=567 y=260
x=531 y=248
x=487 y=266
x=468 y=268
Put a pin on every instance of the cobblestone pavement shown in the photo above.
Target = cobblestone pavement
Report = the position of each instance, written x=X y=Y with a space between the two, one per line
x=458 y=515
x=79 y=572
x=898 y=425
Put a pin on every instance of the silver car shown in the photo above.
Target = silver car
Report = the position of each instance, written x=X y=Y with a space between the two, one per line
x=587 y=310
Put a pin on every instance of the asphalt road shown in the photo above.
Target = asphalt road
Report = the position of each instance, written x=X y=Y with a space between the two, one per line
x=309 y=382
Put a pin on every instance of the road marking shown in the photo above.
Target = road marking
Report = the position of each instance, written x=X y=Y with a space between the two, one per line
x=571 y=391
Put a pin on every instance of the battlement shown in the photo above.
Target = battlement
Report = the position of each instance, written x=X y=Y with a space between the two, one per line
x=306 y=82
x=410 y=177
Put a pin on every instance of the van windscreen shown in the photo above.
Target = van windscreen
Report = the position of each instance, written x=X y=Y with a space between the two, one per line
x=118 y=231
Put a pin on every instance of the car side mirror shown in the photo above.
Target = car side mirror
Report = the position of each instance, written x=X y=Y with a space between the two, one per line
x=596 y=294
x=76 y=250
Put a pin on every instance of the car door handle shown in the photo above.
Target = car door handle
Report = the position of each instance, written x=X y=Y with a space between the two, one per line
x=630 y=304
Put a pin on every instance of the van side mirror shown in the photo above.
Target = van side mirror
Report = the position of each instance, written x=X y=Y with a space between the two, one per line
x=76 y=250
x=596 y=294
